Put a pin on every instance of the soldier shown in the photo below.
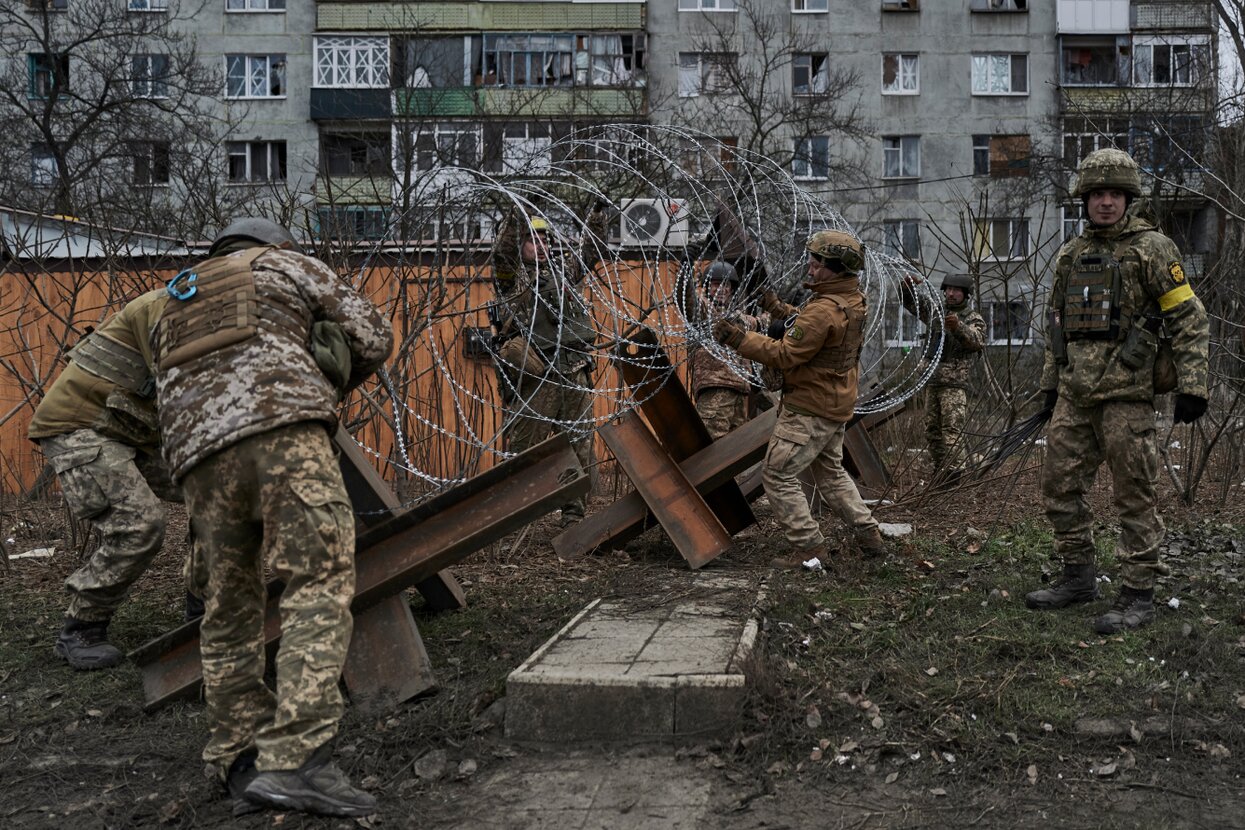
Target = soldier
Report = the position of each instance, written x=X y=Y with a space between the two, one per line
x=249 y=409
x=97 y=428
x=719 y=389
x=546 y=339
x=964 y=336
x=1115 y=286
x=820 y=357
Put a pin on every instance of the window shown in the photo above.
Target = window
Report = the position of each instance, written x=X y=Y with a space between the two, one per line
x=1093 y=61
x=352 y=62
x=355 y=155
x=353 y=222
x=999 y=6
x=1168 y=144
x=709 y=160
x=704 y=73
x=448 y=144
x=1008 y=322
x=901 y=157
x=44 y=169
x=1000 y=74
x=1161 y=63
x=811 y=158
x=50 y=5
x=149 y=76
x=900 y=75
x=254 y=76
x=49 y=74
x=901 y=327
x=256 y=161
x=151 y=162
x=901 y=5
x=525 y=148
x=610 y=60
x=706 y=5
x=254 y=5
x=809 y=5
x=149 y=5
x=1001 y=238
x=529 y=59
x=809 y=74
x=1001 y=156
x=902 y=238
x=1084 y=135
x=1073 y=221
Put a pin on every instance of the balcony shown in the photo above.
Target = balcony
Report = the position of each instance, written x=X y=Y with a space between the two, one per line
x=354 y=190
x=1091 y=17
x=1173 y=16
x=479 y=102
x=350 y=104
x=493 y=17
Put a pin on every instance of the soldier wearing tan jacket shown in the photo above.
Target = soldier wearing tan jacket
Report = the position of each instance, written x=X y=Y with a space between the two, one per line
x=97 y=428
x=819 y=357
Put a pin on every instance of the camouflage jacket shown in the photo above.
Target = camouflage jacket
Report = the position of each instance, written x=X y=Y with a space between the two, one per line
x=82 y=399
x=269 y=379
x=820 y=354
x=544 y=303
x=959 y=347
x=1152 y=282
x=713 y=370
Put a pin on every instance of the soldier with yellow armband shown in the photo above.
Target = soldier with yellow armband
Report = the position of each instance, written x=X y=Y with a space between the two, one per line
x=1120 y=301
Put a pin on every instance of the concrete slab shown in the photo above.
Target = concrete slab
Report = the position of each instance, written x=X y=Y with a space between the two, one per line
x=641 y=669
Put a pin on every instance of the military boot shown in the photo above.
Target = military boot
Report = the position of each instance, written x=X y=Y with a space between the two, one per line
x=84 y=645
x=318 y=786
x=241 y=773
x=795 y=561
x=869 y=541
x=1079 y=583
x=1133 y=608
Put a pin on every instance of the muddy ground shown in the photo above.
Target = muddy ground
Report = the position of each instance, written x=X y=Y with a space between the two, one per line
x=916 y=692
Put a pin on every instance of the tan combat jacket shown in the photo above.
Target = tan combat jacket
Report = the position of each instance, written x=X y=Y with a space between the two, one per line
x=959 y=348
x=1152 y=280
x=81 y=399
x=708 y=369
x=820 y=355
x=270 y=378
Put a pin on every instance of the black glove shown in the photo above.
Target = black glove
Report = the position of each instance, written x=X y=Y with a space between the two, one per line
x=1188 y=408
x=1048 y=403
x=777 y=328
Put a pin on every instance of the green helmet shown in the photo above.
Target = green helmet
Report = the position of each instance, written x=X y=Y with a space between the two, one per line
x=964 y=281
x=1105 y=169
x=844 y=247
x=255 y=229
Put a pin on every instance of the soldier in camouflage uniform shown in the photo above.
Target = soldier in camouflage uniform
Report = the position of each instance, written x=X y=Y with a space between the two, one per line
x=719 y=389
x=97 y=428
x=545 y=339
x=820 y=359
x=248 y=411
x=964 y=337
x=1116 y=286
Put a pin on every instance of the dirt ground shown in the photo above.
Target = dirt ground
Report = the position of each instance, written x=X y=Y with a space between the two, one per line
x=912 y=693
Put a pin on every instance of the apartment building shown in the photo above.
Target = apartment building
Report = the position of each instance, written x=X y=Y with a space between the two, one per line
x=945 y=130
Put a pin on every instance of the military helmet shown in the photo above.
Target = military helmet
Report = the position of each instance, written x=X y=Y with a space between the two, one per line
x=828 y=245
x=1107 y=168
x=256 y=229
x=722 y=271
x=964 y=281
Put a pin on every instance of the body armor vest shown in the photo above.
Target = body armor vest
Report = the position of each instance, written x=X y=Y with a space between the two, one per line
x=114 y=362
x=226 y=309
x=844 y=357
x=1091 y=300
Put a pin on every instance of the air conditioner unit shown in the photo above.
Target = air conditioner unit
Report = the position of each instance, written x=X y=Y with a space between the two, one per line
x=648 y=223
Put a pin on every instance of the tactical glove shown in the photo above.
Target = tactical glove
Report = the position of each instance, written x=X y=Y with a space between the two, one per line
x=1188 y=408
x=728 y=333
x=777 y=328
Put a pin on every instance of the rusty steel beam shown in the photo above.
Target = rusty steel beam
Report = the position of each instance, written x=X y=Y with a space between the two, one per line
x=683 y=513
x=387 y=662
x=374 y=501
x=397 y=553
x=707 y=471
x=669 y=410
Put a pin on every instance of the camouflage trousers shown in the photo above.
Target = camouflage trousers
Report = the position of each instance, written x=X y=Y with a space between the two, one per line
x=103 y=484
x=1078 y=441
x=807 y=442
x=539 y=401
x=274 y=499
x=722 y=409
x=946 y=411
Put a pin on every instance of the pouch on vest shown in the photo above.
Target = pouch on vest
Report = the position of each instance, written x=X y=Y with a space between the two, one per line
x=1091 y=299
x=222 y=312
x=114 y=362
